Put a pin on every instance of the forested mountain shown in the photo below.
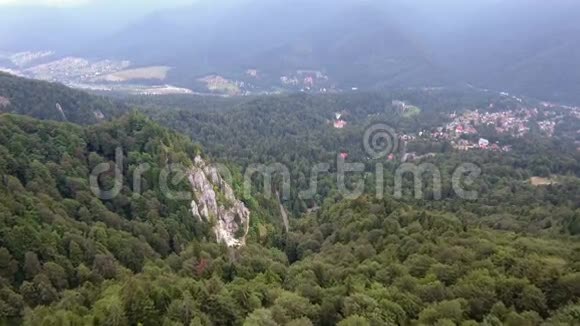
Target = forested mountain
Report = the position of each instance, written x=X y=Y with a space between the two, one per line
x=58 y=240
x=278 y=39
x=50 y=101
x=70 y=257
x=528 y=47
x=518 y=46
x=76 y=260
x=392 y=162
x=297 y=131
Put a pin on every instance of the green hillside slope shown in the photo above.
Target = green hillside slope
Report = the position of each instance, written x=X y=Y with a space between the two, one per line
x=50 y=101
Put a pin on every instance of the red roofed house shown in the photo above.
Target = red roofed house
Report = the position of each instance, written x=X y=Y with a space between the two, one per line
x=339 y=124
x=483 y=143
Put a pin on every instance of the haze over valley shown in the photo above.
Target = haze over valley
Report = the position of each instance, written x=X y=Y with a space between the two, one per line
x=289 y=163
x=255 y=47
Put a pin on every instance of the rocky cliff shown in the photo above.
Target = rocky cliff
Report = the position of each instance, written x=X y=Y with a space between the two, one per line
x=4 y=102
x=214 y=202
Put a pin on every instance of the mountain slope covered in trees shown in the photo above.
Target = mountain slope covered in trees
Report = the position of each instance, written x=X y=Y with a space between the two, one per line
x=51 y=101
x=56 y=234
x=525 y=47
x=142 y=258
x=297 y=131
x=521 y=46
x=277 y=40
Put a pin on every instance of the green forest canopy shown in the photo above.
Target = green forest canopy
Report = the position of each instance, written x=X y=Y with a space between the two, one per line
x=68 y=258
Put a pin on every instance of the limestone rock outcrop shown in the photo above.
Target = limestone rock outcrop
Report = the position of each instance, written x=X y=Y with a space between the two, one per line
x=214 y=202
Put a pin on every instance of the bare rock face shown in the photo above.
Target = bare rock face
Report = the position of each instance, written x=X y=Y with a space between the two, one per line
x=99 y=115
x=215 y=202
x=61 y=111
x=4 y=102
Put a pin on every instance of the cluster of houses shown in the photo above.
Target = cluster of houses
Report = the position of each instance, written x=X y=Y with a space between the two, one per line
x=73 y=69
x=514 y=122
x=463 y=134
x=26 y=58
x=482 y=144
x=307 y=79
x=338 y=122
x=292 y=81
x=575 y=112
x=549 y=127
x=252 y=73
x=163 y=90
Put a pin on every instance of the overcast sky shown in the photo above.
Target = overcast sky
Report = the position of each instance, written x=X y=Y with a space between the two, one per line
x=80 y=3
x=50 y=3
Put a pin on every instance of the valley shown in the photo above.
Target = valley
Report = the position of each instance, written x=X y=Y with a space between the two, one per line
x=93 y=75
x=289 y=163
x=118 y=218
x=121 y=76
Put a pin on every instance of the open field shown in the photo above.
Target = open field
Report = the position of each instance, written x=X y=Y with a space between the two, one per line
x=411 y=111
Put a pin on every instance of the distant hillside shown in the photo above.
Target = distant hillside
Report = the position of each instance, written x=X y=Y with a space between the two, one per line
x=50 y=217
x=49 y=101
x=527 y=47
x=354 y=43
x=519 y=46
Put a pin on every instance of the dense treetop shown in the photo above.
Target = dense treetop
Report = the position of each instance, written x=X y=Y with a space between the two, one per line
x=51 y=101
x=69 y=258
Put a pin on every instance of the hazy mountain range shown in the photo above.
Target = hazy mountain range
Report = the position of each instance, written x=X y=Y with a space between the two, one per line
x=524 y=46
